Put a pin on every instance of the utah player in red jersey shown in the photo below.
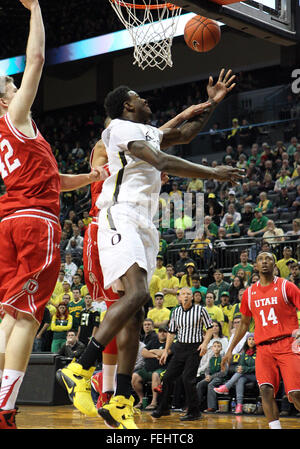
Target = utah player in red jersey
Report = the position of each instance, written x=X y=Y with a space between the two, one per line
x=29 y=229
x=103 y=382
x=273 y=304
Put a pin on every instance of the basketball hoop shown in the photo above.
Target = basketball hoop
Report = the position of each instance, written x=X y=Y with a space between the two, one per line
x=152 y=25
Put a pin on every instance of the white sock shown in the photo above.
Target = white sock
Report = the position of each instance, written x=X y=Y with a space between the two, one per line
x=109 y=377
x=275 y=424
x=11 y=382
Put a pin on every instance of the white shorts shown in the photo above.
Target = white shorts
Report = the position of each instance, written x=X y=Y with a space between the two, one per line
x=125 y=238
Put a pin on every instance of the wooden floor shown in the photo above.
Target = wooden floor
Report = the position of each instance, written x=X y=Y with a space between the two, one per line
x=67 y=417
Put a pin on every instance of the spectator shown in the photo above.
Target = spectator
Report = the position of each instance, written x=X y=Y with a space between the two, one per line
x=76 y=305
x=70 y=268
x=210 y=228
x=259 y=223
x=216 y=336
x=149 y=332
x=284 y=202
x=213 y=311
x=39 y=344
x=186 y=279
x=180 y=266
x=232 y=229
x=197 y=287
x=201 y=248
x=169 y=287
x=244 y=265
x=245 y=372
x=273 y=235
x=195 y=185
x=218 y=286
x=214 y=376
x=234 y=289
x=160 y=315
x=179 y=242
x=231 y=210
x=294 y=275
x=265 y=204
x=77 y=282
x=66 y=290
x=282 y=263
x=295 y=232
x=283 y=180
x=61 y=322
x=227 y=310
x=58 y=287
x=151 y=370
x=184 y=221
x=235 y=324
x=89 y=321
x=160 y=269
x=154 y=287
x=72 y=347
x=75 y=237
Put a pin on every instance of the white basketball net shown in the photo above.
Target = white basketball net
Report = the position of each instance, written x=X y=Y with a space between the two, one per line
x=152 y=28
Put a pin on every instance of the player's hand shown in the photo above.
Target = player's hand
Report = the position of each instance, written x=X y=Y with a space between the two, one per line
x=194 y=110
x=225 y=362
x=164 y=178
x=29 y=3
x=223 y=86
x=98 y=174
x=226 y=173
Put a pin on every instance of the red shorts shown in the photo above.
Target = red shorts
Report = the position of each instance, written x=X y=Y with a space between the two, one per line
x=93 y=275
x=29 y=261
x=276 y=361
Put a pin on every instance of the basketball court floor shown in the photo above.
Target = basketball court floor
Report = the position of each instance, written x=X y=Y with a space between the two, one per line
x=68 y=417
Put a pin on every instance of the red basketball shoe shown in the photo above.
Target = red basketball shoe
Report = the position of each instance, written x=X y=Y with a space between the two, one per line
x=8 y=419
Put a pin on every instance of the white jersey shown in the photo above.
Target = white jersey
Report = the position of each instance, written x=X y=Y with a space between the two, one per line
x=132 y=181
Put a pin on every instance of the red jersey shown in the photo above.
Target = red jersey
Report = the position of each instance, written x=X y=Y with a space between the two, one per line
x=273 y=308
x=29 y=171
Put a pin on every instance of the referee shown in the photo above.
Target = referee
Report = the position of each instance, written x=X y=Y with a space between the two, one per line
x=187 y=322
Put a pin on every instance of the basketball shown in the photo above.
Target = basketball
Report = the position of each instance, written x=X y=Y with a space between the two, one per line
x=202 y=34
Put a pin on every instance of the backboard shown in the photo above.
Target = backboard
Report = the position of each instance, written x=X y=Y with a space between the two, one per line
x=277 y=21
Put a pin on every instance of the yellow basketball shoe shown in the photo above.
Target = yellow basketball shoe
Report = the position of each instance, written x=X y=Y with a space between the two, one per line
x=77 y=382
x=119 y=413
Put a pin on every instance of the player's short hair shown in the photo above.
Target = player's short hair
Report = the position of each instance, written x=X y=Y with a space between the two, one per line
x=4 y=80
x=114 y=101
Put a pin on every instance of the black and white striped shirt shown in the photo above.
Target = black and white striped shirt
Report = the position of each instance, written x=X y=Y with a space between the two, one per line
x=188 y=324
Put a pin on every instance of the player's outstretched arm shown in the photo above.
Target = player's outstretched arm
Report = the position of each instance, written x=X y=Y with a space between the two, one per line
x=100 y=155
x=19 y=108
x=188 y=131
x=186 y=114
x=74 y=182
x=176 y=166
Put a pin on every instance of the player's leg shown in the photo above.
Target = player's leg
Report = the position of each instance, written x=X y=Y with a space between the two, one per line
x=17 y=353
x=269 y=405
x=103 y=382
x=289 y=365
x=119 y=412
x=76 y=374
x=268 y=378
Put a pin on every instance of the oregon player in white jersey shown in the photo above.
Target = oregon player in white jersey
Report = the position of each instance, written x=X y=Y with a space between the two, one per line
x=118 y=223
x=128 y=202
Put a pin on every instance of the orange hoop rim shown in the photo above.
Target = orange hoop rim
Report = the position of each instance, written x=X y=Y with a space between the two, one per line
x=158 y=6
